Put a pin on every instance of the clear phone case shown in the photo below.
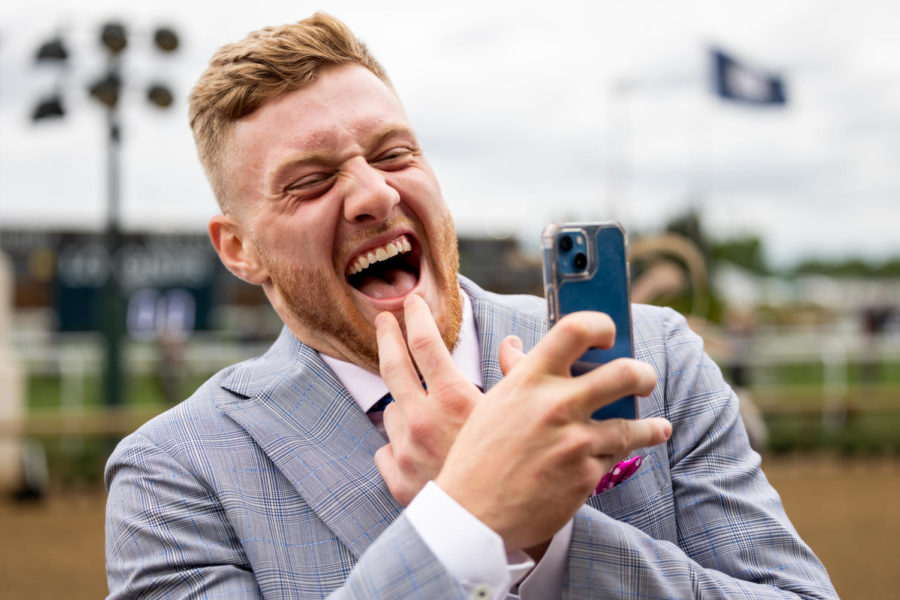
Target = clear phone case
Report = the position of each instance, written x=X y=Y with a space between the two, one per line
x=586 y=268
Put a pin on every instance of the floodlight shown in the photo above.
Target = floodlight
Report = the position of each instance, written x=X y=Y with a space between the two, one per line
x=166 y=39
x=160 y=95
x=52 y=51
x=113 y=37
x=50 y=107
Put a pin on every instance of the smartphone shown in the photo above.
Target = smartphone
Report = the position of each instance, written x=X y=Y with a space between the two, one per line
x=585 y=268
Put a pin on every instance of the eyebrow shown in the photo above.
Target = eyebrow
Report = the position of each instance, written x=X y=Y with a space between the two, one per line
x=318 y=157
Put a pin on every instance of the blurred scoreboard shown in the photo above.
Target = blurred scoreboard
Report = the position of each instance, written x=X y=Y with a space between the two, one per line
x=169 y=282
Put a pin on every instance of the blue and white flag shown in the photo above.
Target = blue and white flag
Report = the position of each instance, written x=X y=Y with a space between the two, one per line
x=739 y=82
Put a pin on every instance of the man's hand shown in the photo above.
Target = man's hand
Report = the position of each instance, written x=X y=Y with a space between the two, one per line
x=525 y=456
x=421 y=424
x=529 y=454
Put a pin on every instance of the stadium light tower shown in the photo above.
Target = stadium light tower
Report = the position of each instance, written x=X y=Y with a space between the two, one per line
x=107 y=90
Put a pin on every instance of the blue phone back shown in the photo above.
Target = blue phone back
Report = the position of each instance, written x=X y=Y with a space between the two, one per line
x=602 y=287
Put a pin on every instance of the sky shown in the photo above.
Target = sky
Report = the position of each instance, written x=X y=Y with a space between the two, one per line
x=529 y=112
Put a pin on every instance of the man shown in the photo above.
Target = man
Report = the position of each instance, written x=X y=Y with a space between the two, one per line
x=272 y=481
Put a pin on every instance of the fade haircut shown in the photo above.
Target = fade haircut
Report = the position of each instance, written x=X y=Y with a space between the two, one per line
x=243 y=76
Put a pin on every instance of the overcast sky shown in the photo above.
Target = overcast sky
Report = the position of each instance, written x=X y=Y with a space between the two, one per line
x=528 y=111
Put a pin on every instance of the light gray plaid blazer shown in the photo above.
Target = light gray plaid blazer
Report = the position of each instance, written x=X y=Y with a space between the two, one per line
x=262 y=484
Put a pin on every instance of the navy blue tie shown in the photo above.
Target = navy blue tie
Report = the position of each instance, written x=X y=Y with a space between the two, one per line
x=382 y=404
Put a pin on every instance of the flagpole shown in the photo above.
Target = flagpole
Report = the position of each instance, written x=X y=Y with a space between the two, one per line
x=619 y=139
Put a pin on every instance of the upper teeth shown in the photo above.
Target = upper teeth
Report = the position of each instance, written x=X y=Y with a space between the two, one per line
x=389 y=250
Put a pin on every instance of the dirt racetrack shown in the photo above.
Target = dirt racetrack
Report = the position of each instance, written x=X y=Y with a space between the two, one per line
x=846 y=509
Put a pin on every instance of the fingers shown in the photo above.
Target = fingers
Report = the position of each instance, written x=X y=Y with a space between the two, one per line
x=428 y=349
x=394 y=363
x=394 y=424
x=613 y=380
x=569 y=338
x=510 y=353
x=386 y=464
x=619 y=437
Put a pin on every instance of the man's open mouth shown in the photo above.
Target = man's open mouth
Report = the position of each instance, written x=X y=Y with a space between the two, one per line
x=388 y=271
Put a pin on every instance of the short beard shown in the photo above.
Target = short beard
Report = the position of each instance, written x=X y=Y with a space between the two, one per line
x=337 y=319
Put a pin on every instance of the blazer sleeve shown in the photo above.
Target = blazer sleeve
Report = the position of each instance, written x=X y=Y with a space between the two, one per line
x=167 y=536
x=732 y=537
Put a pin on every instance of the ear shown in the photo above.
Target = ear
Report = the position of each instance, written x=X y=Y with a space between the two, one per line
x=235 y=250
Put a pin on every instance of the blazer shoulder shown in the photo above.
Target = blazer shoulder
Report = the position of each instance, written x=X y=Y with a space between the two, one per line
x=659 y=328
x=189 y=418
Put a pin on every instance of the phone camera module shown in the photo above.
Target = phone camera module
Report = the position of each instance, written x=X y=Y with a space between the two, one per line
x=565 y=243
x=580 y=261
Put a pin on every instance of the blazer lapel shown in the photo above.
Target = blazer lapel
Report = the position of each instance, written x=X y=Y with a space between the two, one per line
x=304 y=420
x=495 y=321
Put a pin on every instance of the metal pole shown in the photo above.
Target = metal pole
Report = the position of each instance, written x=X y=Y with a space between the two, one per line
x=113 y=305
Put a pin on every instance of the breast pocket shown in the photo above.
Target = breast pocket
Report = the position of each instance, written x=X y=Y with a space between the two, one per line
x=645 y=499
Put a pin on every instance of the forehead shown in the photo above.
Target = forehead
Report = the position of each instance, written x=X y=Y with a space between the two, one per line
x=332 y=115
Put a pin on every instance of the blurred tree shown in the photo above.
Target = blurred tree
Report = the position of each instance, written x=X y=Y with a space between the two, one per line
x=848 y=267
x=690 y=225
x=744 y=251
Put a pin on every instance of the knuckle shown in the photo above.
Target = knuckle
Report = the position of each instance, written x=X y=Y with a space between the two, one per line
x=392 y=411
x=574 y=326
x=421 y=430
x=390 y=367
x=622 y=438
x=630 y=373
x=581 y=441
x=418 y=342
x=557 y=412
x=451 y=396
x=406 y=462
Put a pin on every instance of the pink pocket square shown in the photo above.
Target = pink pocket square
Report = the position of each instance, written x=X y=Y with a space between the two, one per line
x=620 y=473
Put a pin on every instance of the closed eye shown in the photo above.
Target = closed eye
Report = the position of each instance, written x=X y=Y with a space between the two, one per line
x=394 y=159
x=316 y=182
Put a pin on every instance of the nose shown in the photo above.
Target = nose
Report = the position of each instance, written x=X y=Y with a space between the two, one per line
x=370 y=197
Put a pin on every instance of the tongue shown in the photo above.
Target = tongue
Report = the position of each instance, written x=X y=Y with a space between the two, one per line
x=393 y=283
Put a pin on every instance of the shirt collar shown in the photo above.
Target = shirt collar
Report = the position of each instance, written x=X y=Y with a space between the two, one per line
x=368 y=388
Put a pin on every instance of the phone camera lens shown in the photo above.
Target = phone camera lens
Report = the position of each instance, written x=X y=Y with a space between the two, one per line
x=580 y=261
x=565 y=243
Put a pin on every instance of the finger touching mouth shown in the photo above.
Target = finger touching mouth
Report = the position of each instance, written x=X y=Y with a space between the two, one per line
x=387 y=271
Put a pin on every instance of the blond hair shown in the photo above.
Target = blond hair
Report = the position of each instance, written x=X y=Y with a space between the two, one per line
x=243 y=76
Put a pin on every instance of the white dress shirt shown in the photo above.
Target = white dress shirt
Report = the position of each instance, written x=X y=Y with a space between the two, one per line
x=466 y=547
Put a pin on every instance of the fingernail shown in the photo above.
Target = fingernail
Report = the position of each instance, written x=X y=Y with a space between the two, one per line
x=379 y=319
x=516 y=343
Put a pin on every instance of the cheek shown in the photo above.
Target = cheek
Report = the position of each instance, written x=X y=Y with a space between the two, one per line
x=306 y=235
x=423 y=196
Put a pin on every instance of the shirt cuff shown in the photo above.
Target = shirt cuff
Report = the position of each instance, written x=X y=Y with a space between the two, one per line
x=467 y=548
x=546 y=580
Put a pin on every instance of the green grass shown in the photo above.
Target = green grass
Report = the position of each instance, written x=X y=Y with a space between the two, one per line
x=45 y=392
x=858 y=373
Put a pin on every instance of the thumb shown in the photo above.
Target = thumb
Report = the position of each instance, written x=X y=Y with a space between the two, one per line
x=510 y=353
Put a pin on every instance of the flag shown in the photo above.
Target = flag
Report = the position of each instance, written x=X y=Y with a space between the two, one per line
x=739 y=82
